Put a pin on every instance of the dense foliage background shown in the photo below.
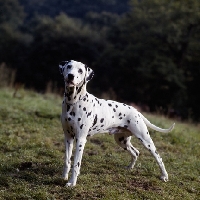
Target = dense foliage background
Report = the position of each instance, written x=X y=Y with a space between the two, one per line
x=144 y=51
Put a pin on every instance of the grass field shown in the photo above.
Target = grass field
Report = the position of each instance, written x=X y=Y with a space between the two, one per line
x=32 y=152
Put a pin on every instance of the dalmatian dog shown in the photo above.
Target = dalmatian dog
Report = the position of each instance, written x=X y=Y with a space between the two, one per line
x=84 y=115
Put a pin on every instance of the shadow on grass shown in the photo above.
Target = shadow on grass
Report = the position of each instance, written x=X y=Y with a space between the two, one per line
x=45 y=173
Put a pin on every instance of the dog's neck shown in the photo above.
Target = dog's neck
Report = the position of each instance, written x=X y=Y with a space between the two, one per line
x=75 y=94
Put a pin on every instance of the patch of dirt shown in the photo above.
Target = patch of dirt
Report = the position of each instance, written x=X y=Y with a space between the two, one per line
x=143 y=185
x=96 y=141
x=25 y=165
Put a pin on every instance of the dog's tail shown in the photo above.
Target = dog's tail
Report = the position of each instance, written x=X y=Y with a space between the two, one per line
x=154 y=127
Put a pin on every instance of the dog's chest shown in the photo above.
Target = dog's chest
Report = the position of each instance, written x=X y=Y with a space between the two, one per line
x=75 y=116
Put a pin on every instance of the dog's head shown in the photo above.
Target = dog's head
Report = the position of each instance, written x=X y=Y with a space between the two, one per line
x=75 y=73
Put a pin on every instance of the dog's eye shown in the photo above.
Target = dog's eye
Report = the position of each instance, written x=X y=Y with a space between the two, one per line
x=69 y=66
x=80 y=71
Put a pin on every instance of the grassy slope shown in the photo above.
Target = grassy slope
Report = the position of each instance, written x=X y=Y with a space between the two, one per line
x=32 y=151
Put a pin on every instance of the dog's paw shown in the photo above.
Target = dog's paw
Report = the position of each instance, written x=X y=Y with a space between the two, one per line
x=69 y=184
x=65 y=177
x=129 y=167
x=164 y=178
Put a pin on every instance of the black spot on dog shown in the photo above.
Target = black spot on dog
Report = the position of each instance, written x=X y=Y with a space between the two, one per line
x=72 y=135
x=132 y=148
x=79 y=106
x=79 y=89
x=69 y=119
x=84 y=108
x=156 y=152
x=68 y=95
x=120 y=114
x=72 y=114
x=102 y=125
x=112 y=116
x=68 y=107
x=110 y=104
x=97 y=100
x=128 y=121
x=114 y=110
x=116 y=106
x=135 y=151
x=125 y=148
x=81 y=126
x=79 y=119
x=89 y=114
x=102 y=120
x=78 y=164
x=120 y=118
x=140 y=139
x=125 y=126
x=95 y=120
x=80 y=145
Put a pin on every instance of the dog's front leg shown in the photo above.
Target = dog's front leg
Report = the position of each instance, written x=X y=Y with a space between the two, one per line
x=80 y=144
x=68 y=153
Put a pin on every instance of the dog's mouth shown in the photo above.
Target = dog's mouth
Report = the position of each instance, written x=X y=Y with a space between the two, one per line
x=69 y=83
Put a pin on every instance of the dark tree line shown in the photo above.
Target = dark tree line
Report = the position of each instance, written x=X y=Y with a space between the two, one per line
x=147 y=51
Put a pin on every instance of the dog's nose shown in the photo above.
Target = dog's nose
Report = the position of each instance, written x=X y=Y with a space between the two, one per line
x=70 y=77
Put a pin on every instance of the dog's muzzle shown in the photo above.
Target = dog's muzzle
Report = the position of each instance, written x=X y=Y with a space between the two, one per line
x=69 y=79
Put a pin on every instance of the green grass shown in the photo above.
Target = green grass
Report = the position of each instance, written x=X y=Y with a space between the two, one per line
x=32 y=152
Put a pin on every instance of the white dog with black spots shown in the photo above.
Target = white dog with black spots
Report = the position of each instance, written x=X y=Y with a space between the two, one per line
x=84 y=115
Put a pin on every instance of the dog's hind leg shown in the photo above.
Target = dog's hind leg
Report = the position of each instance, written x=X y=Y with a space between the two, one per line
x=124 y=141
x=148 y=143
x=141 y=132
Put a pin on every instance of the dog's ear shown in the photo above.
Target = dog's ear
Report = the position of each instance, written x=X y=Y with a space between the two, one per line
x=61 y=66
x=89 y=73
